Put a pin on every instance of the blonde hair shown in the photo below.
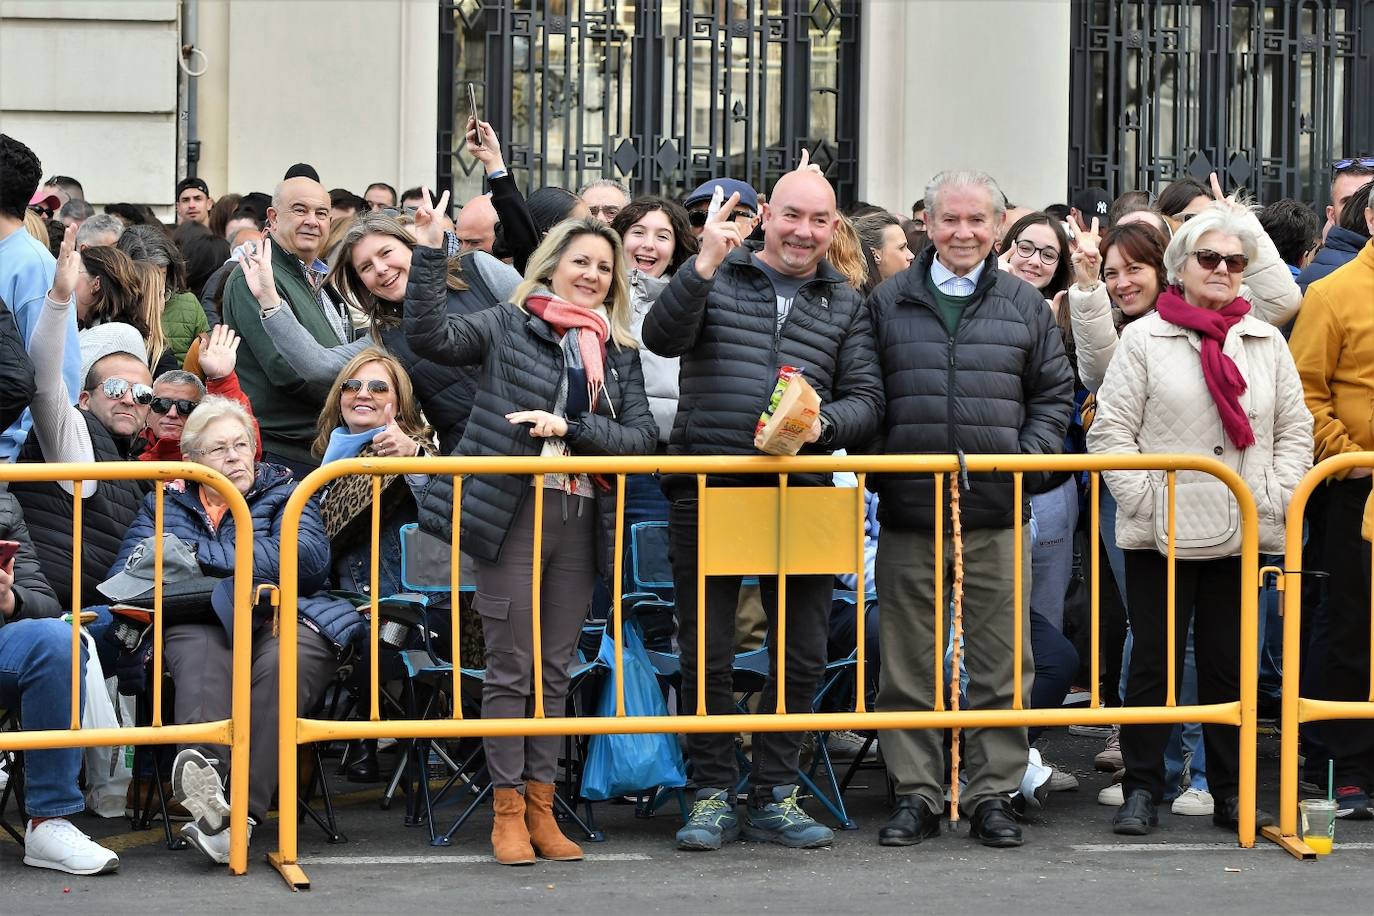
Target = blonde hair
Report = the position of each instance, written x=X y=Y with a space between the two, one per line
x=211 y=408
x=846 y=253
x=545 y=260
x=153 y=295
x=407 y=408
x=35 y=226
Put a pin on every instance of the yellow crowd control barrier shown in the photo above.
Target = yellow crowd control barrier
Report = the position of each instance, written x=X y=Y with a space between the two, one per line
x=1297 y=709
x=232 y=731
x=767 y=530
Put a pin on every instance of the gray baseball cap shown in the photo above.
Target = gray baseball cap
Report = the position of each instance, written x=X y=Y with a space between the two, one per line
x=178 y=565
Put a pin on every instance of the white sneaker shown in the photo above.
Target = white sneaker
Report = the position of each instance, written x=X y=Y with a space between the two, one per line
x=196 y=785
x=1112 y=796
x=57 y=844
x=214 y=845
x=1035 y=784
x=1193 y=802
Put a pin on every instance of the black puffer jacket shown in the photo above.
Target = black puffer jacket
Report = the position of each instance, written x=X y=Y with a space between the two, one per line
x=105 y=517
x=445 y=391
x=522 y=366
x=33 y=596
x=725 y=330
x=16 y=370
x=1000 y=385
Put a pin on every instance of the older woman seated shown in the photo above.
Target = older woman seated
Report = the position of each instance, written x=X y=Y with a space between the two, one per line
x=221 y=435
x=1202 y=376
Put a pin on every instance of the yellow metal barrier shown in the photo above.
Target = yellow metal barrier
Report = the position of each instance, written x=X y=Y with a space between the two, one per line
x=1297 y=709
x=233 y=731
x=764 y=531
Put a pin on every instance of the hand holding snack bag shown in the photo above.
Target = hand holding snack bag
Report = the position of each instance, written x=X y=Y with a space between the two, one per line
x=793 y=416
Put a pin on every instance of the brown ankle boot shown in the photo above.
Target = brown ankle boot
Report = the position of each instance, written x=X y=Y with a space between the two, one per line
x=547 y=838
x=510 y=839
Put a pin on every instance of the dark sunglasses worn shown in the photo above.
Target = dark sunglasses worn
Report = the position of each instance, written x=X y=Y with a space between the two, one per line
x=184 y=407
x=354 y=385
x=115 y=388
x=1364 y=162
x=698 y=217
x=1208 y=260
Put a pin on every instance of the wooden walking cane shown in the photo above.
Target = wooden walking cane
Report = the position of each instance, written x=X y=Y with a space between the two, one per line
x=957 y=626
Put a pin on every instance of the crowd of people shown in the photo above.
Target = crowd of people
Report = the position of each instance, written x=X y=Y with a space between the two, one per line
x=264 y=335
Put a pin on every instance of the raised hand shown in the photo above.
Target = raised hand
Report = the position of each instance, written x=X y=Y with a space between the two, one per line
x=543 y=425
x=220 y=352
x=804 y=164
x=392 y=442
x=1087 y=257
x=1232 y=202
x=68 y=266
x=484 y=146
x=429 y=220
x=257 y=270
x=720 y=236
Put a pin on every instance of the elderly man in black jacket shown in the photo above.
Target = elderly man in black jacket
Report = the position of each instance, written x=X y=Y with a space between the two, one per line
x=735 y=315
x=971 y=363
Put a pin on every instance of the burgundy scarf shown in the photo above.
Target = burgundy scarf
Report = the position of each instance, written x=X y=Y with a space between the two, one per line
x=566 y=317
x=1223 y=379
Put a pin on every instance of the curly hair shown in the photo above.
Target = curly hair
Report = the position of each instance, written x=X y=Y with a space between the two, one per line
x=20 y=173
x=684 y=242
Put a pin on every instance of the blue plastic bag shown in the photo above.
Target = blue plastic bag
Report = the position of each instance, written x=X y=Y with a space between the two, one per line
x=625 y=764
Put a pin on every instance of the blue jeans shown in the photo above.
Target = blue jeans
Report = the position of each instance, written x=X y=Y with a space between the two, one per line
x=36 y=677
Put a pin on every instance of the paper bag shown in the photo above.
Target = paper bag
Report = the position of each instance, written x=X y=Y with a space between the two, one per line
x=792 y=410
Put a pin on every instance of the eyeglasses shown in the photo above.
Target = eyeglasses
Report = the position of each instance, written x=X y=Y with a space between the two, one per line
x=1364 y=162
x=1028 y=249
x=1208 y=260
x=608 y=211
x=184 y=407
x=115 y=388
x=220 y=452
x=698 y=217
x=354 y=385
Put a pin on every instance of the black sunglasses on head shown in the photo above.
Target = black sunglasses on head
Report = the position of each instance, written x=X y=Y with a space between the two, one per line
x=354 y=385
x=162 y=405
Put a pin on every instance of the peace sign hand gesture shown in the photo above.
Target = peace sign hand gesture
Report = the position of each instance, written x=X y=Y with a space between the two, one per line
x=719 y=237
x=1087 y=257
x=429 y=220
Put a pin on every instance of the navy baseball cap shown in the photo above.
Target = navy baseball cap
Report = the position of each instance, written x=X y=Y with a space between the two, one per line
x=748 y=197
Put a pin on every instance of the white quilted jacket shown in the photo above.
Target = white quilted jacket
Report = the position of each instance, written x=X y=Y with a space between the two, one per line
x=1154 y=400
x=1268 y=286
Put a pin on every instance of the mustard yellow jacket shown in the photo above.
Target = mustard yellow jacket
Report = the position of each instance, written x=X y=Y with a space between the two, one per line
x=1333 y=347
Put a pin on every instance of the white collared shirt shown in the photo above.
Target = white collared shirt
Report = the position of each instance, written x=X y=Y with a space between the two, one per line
x=949 y=284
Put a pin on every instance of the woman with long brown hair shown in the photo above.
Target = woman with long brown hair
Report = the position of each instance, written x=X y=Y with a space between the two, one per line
x=113 y=288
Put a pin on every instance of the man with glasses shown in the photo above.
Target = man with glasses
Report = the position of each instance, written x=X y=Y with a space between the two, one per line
x=745 y=213
x=111 y=409
x=178 y=392
x=1347 y=177
x=971 y=362
x=289 y=275
x=605 y=197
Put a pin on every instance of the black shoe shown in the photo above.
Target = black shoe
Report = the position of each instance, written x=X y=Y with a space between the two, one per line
x=1227 y=814
x=1136 y=816
x=993 y=823
x=910 y=823
x=365 y=768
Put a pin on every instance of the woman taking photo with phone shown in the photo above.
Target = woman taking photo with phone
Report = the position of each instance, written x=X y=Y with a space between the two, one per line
x=560 y=376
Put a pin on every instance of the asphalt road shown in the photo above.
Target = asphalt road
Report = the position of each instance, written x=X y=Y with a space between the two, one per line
x=1071 y=863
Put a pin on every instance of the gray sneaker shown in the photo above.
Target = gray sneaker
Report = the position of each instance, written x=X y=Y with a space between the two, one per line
x=712 y=822
x=783 y=821
x=196 y=784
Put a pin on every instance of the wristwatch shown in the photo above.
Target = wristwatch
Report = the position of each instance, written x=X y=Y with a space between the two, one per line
x=827 y=430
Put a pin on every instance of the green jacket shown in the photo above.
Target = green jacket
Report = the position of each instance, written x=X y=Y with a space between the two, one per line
x=286 y=405
x=182 y=320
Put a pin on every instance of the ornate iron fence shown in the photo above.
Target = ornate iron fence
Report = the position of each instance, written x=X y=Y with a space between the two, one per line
x=1265 y=92
x=660 y=94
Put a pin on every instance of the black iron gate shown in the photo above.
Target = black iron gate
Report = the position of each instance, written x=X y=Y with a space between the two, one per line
x=659 y=94
x=1265 y=92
